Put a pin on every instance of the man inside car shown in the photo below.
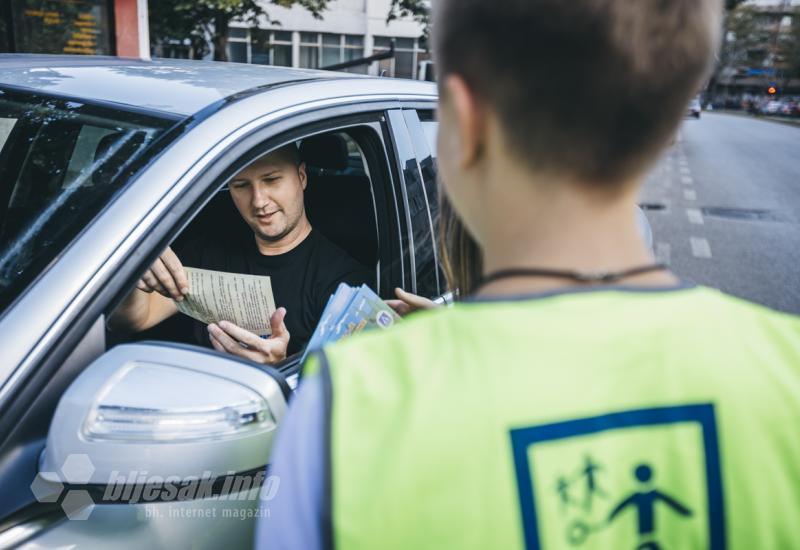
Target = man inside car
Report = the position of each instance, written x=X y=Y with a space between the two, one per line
x=304 y=266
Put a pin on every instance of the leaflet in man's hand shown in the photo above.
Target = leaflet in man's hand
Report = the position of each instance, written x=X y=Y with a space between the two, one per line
x=244 y=300
x=350 y=310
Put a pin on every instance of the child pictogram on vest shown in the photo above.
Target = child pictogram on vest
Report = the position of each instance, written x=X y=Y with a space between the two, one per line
x=565 y=486
x=646 y=479
x=645 y=502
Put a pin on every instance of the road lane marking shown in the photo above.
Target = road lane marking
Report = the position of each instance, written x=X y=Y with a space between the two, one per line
x=690 y=194
x=663 y=253
x=695 y=216
x=700 y=247
x=687 y=180
x=685 y=170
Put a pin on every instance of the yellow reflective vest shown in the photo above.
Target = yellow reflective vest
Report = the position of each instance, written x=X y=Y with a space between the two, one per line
x=614 y=418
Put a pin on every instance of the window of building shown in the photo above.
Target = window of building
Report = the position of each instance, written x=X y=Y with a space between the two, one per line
x=309 y=50
x=238 y=45
x=331 y=49
x=237 y=51
x=271 y=47
x=353 y=48
x=325 y=49
x=408 y=52
x=236 y=32
x=261 y=46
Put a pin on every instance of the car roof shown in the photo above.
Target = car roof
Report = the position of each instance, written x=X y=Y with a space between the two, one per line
x=175 y=86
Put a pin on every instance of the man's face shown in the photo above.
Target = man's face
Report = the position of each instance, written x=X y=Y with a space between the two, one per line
x=269 y=195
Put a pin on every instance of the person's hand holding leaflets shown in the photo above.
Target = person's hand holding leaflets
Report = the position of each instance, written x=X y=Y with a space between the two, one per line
x=228 y=337
x=350 y=310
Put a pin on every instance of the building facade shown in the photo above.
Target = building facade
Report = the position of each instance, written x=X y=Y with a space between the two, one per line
x=753 y=60
x=349 y=29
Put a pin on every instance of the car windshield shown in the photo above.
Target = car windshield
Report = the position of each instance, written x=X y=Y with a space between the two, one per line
x=61 y=161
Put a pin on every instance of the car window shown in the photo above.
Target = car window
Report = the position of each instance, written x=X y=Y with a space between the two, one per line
x=61 y=161
x=345 y=200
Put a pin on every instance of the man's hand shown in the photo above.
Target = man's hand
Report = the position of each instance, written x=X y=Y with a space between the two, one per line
x=409 y=303
x=151 y=301
x=227 y=337
x=166 y=276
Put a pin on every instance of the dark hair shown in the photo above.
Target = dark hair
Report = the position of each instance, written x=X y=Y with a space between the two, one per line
x=591 y=89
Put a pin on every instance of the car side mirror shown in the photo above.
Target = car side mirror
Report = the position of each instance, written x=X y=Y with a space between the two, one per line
x=151 y=413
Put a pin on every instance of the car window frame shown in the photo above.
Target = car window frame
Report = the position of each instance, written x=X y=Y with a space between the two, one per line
x=426 y=165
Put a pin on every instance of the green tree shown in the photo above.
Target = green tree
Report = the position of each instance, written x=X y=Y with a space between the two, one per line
x=419 y=10
x=201 y=21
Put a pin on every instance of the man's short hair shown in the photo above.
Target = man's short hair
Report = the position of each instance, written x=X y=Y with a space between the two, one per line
x=591 y=89
x=290 y=152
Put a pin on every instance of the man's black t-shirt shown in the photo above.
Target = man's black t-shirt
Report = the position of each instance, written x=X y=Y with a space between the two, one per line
x=302 y=279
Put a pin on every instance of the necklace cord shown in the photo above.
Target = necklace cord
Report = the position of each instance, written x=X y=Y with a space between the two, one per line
x=582 y=277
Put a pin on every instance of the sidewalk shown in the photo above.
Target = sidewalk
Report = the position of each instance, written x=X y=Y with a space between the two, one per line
x=743 y=114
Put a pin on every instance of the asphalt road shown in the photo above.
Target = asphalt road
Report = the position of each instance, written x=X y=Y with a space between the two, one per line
x=724 y=204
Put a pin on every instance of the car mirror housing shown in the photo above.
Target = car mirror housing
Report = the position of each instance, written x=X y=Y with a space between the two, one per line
x=175 y=411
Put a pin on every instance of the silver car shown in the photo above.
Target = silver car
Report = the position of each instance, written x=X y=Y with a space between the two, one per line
x=151 y=441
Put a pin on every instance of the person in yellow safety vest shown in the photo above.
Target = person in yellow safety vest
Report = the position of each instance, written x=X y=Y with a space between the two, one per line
x=583 y=396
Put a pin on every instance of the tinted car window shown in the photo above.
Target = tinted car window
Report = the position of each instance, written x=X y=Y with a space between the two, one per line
x=61 y=161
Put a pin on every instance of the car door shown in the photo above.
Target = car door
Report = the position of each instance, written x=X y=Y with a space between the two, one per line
x=132 y=232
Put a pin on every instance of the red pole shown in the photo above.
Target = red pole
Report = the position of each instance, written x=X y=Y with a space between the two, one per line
x=132 y=32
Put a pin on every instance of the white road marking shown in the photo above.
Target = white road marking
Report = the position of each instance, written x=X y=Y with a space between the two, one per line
x=700 y=247
x=687 y=180
x=695 y=216
x=690 y=194
x=685 y=170
x=663 y=253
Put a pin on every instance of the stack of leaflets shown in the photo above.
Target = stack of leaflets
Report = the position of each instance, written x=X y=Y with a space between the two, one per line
x=350 y=310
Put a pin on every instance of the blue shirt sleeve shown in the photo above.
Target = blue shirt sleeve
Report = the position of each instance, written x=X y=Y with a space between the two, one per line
x=292 y=517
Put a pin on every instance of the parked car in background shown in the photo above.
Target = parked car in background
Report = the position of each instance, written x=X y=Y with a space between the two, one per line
x=694 y=108
x=771 y=108
x=425 y=71
x=790 y=107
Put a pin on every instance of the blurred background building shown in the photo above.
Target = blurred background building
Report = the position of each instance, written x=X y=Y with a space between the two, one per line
x=760 y=54
x=258 y=31
x=294 y=37
x=759 y=58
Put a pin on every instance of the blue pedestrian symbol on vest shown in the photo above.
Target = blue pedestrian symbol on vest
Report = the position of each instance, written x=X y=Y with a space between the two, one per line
x=645 y=502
